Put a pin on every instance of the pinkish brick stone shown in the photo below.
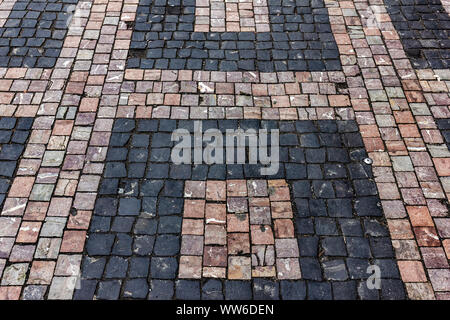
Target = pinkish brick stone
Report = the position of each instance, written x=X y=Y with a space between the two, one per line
x=261 y=234
x=9 y=226
x=215 y=256
x=41 y=272
x=191 y=245
x=215 y=234
x=190 y=267
x=239 y=268
x=194 y=189
x=59 y=207
x=440 y=279
x=288 y=268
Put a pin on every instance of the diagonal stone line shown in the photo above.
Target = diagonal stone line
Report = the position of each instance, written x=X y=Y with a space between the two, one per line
x=186 y=94
x=38 y=173
x=382 y=120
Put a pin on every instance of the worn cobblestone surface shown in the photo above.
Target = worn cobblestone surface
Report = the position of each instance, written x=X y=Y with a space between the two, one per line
x=34 y=32
x=91 y=206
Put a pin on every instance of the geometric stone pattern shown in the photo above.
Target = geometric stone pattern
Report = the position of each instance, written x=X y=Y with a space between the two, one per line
x=399 y=111
x=165 y=36
x=424 y=28
x=34 y=33
x=444 y=127
x=150 y=220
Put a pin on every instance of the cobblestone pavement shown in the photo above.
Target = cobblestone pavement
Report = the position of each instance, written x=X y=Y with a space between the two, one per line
x=94 y=206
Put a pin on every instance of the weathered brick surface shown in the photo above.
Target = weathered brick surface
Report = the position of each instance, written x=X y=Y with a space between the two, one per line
x=91 y=205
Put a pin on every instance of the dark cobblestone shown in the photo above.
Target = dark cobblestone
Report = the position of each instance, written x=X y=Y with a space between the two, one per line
x=293 y=290
x=161 y=289
x=187 y=289
x=212 y=290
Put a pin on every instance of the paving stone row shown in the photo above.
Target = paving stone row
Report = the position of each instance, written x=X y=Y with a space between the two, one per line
x=134 y=239
x=34 y=32
x=424 y=28
x=300 y=39
x=444 y=126
x=25 y=91
x=188 y=94
x=432 y=108
x=181 y=94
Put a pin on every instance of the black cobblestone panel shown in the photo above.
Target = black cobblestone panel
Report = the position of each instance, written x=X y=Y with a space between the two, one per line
x=134 y=238
x=34 y=33
x=300 y=40
x=424 y=29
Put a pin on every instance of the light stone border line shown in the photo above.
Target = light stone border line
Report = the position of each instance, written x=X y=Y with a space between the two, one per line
x=114 y=37
x=446 y=5
x=37 y=174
